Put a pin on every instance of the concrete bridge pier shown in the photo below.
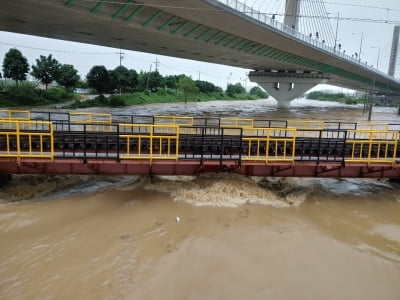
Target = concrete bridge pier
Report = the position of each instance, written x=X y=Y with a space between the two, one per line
x=286 y=86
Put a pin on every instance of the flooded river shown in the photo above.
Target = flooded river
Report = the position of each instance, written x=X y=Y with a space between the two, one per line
x=216 y=236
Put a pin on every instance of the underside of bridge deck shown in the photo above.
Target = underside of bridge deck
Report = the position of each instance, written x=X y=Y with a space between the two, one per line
x=209 y=31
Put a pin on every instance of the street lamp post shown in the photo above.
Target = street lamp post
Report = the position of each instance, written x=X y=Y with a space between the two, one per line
x=379 y=52
x=337 y=27
x=377 y=60
x=359 y=52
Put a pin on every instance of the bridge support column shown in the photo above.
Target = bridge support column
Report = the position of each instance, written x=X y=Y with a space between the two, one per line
x=285 y=86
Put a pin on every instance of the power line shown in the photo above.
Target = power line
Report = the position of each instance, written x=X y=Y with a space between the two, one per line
x=52 y=50
x=215 y=9
x=382 y=21
x=356 y=5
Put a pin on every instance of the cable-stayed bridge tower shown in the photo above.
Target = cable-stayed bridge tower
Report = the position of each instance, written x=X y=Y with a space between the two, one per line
x=286 y=85
x=292 y=13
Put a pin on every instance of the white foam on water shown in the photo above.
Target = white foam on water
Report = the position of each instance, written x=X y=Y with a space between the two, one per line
x=225 y=190
x=304 y=102
x=233 y=190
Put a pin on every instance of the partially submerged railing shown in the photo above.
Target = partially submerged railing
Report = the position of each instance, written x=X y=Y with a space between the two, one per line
x=179 y=138
x=26 y=139
x=274 y=144
x=149 y=141
x=373 y=146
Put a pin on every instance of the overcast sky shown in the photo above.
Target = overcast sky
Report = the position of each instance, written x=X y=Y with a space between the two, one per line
x=377 y=36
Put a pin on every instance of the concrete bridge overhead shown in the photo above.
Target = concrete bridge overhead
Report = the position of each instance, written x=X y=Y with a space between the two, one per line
x=284 y=62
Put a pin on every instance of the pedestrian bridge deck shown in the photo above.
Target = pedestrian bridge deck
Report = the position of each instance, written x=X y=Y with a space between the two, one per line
x=100 y=143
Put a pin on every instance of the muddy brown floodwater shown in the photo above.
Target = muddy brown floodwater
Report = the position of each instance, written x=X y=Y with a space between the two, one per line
x=216 y=236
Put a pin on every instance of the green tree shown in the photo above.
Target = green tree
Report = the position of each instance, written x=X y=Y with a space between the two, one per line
x=155 y=81
x=133 y=80
x=15 y=65
x=46 y=70
x=123 y=79
x=99 y=79
x=150 y=81
x=170 y=82
x=82 y=84
x=188 y=87
x=207 y=87
x=142 y=81
x=233 y=89
x=258 y=92
x=68 y=77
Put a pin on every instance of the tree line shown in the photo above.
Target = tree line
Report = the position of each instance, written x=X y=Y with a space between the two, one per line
x=119 y=80
x=46 y=70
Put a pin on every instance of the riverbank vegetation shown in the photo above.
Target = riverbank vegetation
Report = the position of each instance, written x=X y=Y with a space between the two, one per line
x=55 y=83
x=336 y=97
x=163 y=96
x=28 y=94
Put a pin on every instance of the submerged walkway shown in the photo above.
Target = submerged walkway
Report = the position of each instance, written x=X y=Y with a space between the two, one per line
x=99 y=143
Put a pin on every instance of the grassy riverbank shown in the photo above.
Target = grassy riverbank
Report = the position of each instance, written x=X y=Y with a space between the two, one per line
x=141 y=98
x=337 y=97
x=28 y=94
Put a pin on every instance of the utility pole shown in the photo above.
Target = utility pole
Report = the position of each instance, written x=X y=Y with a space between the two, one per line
x=121 y=57
x=228 y=79
x=199 y=75
x=156 y=63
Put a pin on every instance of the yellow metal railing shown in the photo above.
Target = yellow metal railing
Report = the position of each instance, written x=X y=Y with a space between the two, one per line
x=265 y=131
x=146 y=141
x=236 y=122
x=307 y=128
x=373 y=146
x=15 y=115
x=91 y=121
x=271 y=147
x=372 y=126
x=305 y=124
x=176 y=120
x=173 y=120
x=26 y=139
